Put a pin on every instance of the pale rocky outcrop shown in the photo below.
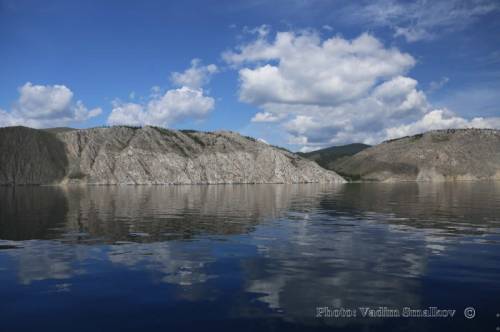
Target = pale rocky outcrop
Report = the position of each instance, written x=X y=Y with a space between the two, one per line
x=149 y=155
x=441 y=155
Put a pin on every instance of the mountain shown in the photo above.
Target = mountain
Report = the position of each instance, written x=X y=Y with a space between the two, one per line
x=440 y=155
x=328 y=157
x=147 y=155
x=29 y=156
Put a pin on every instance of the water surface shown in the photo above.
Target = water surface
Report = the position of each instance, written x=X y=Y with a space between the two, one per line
x=248 y=257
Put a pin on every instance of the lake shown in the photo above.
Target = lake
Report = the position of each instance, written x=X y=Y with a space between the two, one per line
x=251 y=257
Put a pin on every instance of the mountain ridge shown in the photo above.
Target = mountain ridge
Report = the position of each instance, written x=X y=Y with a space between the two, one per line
x=437 y=155
x=147 y=155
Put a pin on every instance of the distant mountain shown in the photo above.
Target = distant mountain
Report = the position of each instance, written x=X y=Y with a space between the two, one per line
x=441 y=155
x=328 y=157
x=147 y=155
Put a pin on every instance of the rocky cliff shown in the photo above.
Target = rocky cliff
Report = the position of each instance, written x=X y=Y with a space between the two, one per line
x=29 y=156
x=441 y=155
x=147 y=155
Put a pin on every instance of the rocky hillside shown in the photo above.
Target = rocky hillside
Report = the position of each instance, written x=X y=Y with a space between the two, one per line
x=148 y=155
x=331 y=156
x=29 y=156
x=442 y=155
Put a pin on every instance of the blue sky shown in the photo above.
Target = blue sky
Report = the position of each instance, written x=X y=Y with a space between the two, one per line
x=301 y=74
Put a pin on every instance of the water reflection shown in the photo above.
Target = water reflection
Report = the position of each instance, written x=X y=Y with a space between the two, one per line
x=142 y=213
x=42 y=260
x=183 y=266
x=265 y=251
x=31 y=212
x=352 y=265
x=158 y=213
x=463 y=208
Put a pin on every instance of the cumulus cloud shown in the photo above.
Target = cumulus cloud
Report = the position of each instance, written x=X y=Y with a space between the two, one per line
x=266 y=117
x=46 y=106
x=333 y=91
x=311 y=71
x=422 y=20
x=163 y=109
x=194 y=77
x=441 y=119
x=174 y=105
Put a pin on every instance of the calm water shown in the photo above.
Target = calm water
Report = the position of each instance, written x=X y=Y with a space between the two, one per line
x=248 y=257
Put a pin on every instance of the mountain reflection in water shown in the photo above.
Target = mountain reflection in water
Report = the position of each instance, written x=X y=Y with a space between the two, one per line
x=256 y=256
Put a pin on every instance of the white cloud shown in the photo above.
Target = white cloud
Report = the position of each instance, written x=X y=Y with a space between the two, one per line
x=7 y=119
x=40 y=101
x=266 y=117
x=46 y=106
x=311 y=71
x=163 y=110
x=127 y=113
x=422 y=20
x=333 y=91
x=441 y=119
x=194 y=77
x=399 y=97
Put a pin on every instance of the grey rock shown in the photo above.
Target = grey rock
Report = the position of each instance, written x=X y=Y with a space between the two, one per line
x=149 y=155
x=29 y=156
x=441 y=155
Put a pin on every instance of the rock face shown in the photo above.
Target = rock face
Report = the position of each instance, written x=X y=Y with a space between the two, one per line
x=29 y=156
x=148 y=155
x=441 y=155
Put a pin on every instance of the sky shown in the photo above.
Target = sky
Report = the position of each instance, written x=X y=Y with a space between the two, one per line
x=299 y=74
